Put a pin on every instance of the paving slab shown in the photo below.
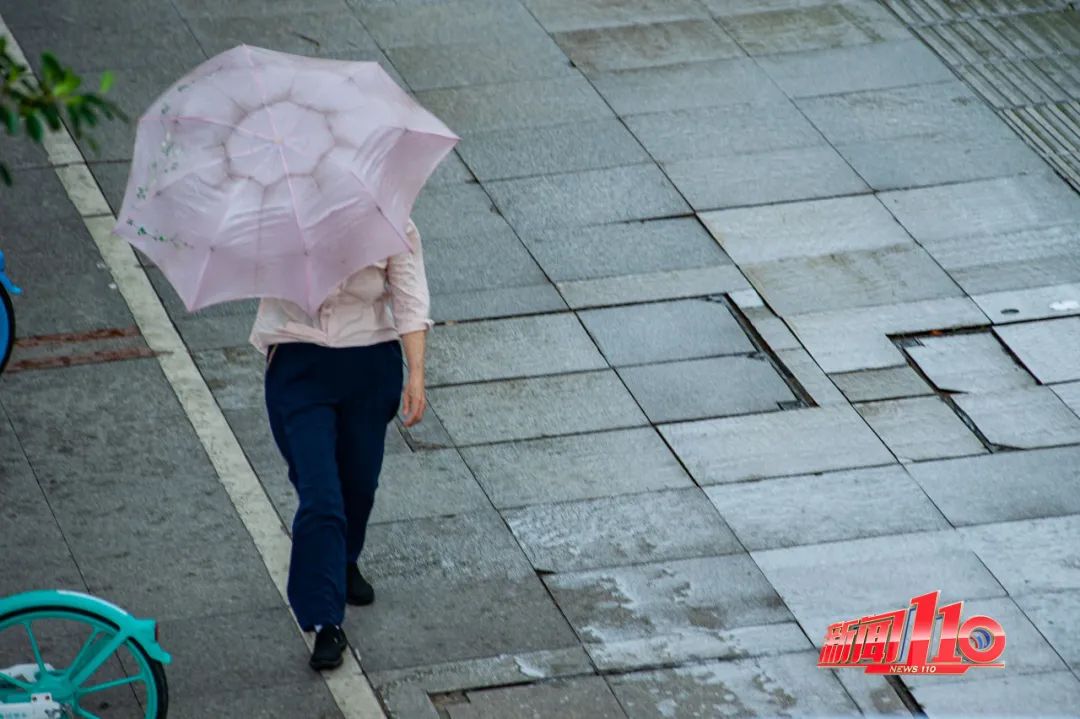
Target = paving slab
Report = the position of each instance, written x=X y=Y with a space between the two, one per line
x=1030 y=304
x=724 y=8
x=483 y=260
x=497 y=302
x=933 y=560
x=653 y=286
x=878 y=384
x=210 y=332
x=1069 y=394
x=975 y=362
x=920 y=428
x=815 y=27
x=1002 y=696
x=575 y=467
x=613 y=531
x=633 y=192
x=19 y=16
x=804 y=229
x=941 y=111
x=212 y=665
x=810 y=378
x=568 y=698
x=707 y=132
x=441 y=212
x=1054 y=615
x=556 y=149
x=873 y=695
x=1048 y=349
x=679 y=87
x=730 y=449
x=854 y=68
x=248 y=8
x=987 y=207
x=666 y=598
x=425 y=484
x=1037 y=555
x=764 y=177
x=407 y=692
x=1021 y=418
x=58 y=417
x=496 y=59
x=634 y=46
x=709 y=387
x=447 y=23
x=918 y=162
x=164 y=45
x=307 y=699
x=333 y=34
x=767 y=686
x=514 y=347
x=235 y=376
x=630 y=248
x=526 y=103
x=193 y=578
x=859 y=278
x=252 y=430
x=787 y=512
x=535 y=407
x=857 y=339
x=1003 y=486
x=564 y=15
x=451 y=588
x=679 y=329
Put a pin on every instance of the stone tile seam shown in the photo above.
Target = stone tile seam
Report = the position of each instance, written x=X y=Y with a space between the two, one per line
x=349 y=686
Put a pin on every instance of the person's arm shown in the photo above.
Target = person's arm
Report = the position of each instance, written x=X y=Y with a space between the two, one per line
x=411 y=305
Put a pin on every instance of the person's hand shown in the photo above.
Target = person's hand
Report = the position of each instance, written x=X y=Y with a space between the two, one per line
x=413 y=402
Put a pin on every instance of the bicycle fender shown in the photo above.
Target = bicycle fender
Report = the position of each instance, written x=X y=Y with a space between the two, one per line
x=143 y=631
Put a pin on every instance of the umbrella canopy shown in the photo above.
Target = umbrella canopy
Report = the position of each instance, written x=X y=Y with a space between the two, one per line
x=264 y=174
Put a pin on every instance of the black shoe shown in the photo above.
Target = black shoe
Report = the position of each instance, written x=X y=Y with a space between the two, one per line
x=329 y=647
x=359 y=591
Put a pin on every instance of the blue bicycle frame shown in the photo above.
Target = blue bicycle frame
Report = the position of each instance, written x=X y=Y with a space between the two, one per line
x=7 y=315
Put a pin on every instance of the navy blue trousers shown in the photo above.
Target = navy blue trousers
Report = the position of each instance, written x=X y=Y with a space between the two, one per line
x=329 y=408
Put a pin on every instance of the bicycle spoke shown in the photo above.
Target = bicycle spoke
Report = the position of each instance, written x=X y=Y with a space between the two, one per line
x=84 y=650
x=109 y=685
x=34 y=646
x=78 y=675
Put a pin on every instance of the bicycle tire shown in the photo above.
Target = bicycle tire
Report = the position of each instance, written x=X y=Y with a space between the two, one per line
x=157 y=670
x=7 y=316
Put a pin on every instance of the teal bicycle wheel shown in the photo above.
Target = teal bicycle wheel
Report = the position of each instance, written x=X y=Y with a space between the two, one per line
x=71 y=656
x=7 y=327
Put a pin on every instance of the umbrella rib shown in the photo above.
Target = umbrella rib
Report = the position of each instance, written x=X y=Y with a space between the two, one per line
x=285 y=165
x=374 y=199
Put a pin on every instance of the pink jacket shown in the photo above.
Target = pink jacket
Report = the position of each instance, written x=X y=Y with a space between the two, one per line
x=377 y=303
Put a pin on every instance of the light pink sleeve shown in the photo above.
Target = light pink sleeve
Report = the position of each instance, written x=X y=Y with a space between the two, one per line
x=410 y=299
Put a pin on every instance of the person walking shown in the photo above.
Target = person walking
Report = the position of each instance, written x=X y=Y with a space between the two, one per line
x=333 y=382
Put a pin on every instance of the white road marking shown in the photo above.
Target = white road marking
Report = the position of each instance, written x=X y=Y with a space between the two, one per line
x=347 y=684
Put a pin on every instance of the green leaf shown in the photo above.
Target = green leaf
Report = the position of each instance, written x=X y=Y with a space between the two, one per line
x=34 y=128
x=51 y=66
x=9 y=119
x=52 y=117
x=106 y=81
x=69 y=84
x=5 y=176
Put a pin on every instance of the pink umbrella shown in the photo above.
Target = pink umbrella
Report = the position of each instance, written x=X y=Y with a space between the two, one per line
x=263 y=174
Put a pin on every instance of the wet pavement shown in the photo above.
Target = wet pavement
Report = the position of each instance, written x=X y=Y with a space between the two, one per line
x=753 y=317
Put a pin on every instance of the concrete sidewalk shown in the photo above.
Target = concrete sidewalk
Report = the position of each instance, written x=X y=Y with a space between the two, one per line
x=753 y=317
